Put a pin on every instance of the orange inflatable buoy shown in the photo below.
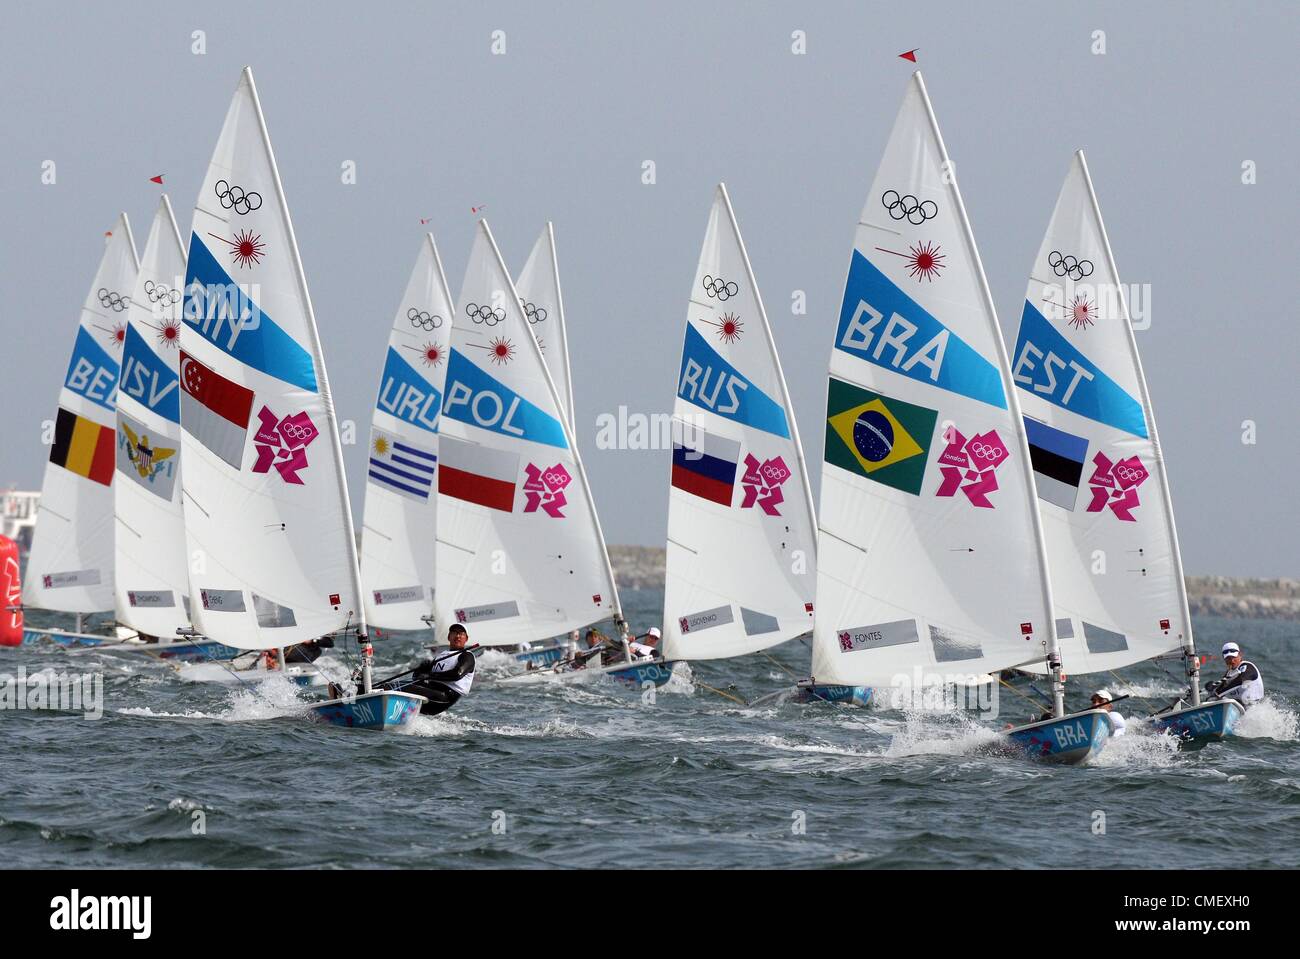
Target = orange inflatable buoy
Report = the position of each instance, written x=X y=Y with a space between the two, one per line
x=11 y=592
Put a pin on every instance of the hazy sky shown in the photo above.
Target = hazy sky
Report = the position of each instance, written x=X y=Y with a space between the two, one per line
x=558 y=127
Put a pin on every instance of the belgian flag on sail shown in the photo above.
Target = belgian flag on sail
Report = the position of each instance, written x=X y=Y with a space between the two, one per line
x=83 y=447
x=883 y=439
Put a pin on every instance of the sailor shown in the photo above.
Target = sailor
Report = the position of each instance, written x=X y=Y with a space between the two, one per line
x=644 y=650
x=1241 y=682
x=1101 y=699
x=309 y=651
x=447 y=678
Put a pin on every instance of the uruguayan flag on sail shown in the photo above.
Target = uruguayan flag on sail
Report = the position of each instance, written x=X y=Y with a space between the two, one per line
x=401 y=466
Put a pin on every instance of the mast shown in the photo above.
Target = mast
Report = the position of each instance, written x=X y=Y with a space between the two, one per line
x=1013 y=406
x=771 y=345
x=572 y=411
x=336 y=447
x=1189 y=644
x=568 y=435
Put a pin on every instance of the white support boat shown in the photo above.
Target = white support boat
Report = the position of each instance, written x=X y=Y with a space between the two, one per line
x=70 y=566
x=1100 y=473
x=930 y=567
x=266 y=504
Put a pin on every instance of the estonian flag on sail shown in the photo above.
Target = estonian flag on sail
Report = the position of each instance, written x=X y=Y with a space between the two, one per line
x=704 y=464
x=1058 y=459
x=401 y=466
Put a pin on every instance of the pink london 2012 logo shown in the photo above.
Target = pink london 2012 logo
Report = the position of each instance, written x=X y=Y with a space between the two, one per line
x=973 y=463
x=1115 y=484
x=283 y=443
x=544 y=489
x=762 y=483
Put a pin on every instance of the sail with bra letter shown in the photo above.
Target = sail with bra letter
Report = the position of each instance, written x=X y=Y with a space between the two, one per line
x=742 y=553
x=152 y=574
x=1098 y=468
x=520 y=552
x=399 y=525
x=267 y=516
x=929 y=563
x=70 y=567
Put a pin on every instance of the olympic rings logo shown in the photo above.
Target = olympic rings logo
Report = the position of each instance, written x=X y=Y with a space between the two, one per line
x=985 y=451
x=1070 y=266
x=1127 y=474
x=158 y=293
x=717 y=287
x=297 y=431
x=774 y=474
x=234 y=198
x=425 y=321
x=484 y=314
x=908 y=207
x=536 y=314
x=112 y=301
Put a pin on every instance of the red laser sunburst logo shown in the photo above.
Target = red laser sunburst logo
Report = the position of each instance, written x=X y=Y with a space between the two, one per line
x=1083 y=312
x=503 y=350
x=432 y=354
x=247 y=247
x=730 y=328
x=169 y=334
x=925 y=261
x=119 y=335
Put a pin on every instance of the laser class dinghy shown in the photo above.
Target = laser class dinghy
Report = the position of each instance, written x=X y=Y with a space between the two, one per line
x=70 y=567
x=266 y=503
x=1102 y=487
x=931 y=569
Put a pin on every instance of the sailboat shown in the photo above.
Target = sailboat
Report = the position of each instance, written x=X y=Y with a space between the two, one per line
x=267 y=516
x=931 y=568
x=70 y=567
x=520 y=553
x=399 y=526
x=742 y=551
x=1108 y=522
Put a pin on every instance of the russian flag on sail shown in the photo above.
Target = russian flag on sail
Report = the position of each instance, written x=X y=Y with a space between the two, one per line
x=704 y=464
x=478 y=474
x=401 y=466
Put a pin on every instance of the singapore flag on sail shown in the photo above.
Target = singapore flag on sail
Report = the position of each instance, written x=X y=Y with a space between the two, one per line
x=214 y=410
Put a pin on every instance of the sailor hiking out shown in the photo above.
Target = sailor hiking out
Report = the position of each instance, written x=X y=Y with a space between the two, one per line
x=1241 y=682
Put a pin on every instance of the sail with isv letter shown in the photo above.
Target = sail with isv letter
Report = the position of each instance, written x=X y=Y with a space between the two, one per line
x=929 y=558
x=399 y=526
x=520 y=551
x=273 y=560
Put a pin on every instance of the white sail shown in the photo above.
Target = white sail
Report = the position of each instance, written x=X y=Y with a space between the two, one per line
x=152 y=574
x=70 y=567
x=929 y=557
x=399 y=526
x=539 y=288
x=266 y=509
x=520 y=551
x=742 y=538
x=1116 y=573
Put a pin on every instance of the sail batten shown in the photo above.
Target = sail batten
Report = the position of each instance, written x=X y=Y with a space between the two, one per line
x=70 y=567
x=741 y=548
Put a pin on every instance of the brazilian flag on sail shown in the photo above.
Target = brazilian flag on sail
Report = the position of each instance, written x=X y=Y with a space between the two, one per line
x=883 y=439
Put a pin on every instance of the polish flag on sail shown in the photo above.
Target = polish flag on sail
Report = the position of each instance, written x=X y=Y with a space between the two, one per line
x=477 y=474
x=214 y=410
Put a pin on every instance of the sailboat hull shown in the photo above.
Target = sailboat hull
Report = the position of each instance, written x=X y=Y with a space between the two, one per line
x=1213 y=720
x=656 y=671
x=1070 y=740
x=384 y=710
x=184 y=651
x=638 y=674
x=548 y=656
x=853 y=695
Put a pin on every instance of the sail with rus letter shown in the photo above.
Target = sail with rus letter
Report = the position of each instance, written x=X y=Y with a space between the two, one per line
x=152 y=575
x=70 y=567
x=742 y=551
x=399 y=527
x=520 y=552
x=1100 y=475
x=266 y=509
x=929 y=562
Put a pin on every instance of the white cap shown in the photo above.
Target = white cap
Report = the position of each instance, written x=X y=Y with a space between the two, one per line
x=1231 y=649
x=654 y=631
x=1103 y=694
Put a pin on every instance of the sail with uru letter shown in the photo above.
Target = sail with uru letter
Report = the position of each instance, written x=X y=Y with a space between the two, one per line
x=399 y=525
x=152 y=564
x=741 y=562
x=266 y=509
x=1117 y=576
x=520 y=552
x=929 y=559
x=70 y=567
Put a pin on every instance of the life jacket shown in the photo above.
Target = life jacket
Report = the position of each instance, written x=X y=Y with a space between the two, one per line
x=1249 y=690
x=448 y=666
